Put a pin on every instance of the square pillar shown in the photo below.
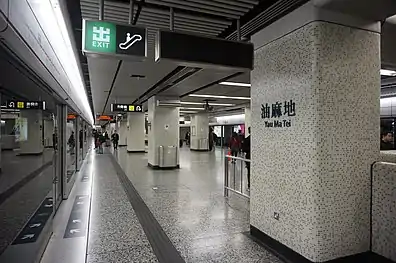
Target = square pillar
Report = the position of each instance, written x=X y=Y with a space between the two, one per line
x=248 y=120
x=123 y=131
x=163 y=126
x=200 y=132
x=135 y=133
x=315 y=132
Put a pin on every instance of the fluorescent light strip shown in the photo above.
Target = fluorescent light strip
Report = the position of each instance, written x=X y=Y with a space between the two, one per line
x=186 y=108
x=203 y=103
x=237 y=84
x=52 y=21
x=388 y=72
x=219 y=97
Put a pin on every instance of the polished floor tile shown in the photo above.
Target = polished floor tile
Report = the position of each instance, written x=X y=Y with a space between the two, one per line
x=133 y=254
x=190 y=207
x=115 y=233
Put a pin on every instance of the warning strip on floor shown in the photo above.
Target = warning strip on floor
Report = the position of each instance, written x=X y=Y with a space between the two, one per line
x=33 y=228
x=163 y=248
x=77 y=224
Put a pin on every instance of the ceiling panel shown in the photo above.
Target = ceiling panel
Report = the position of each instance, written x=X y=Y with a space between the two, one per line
x=198 y=80
x=101 y=73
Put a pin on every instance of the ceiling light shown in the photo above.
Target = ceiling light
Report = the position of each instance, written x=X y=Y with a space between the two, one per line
x=203 y=103
x=238 y=84
x=52 y=21
x=219 y=97
x=387 y=72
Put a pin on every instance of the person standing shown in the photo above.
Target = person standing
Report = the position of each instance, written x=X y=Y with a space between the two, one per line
x=187 y=138
x=210 y=138
x=115 y=138
x=234 y=145
x=246 y=150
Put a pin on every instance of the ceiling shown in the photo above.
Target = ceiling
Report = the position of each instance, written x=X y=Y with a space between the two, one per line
x=114 y=81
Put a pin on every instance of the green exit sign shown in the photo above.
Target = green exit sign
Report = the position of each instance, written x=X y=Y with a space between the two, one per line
x=107 y=38
x=100 y=37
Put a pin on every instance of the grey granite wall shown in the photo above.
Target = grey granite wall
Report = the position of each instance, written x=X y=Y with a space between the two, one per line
x=384 y=209
x=316 y=173
x=388 y=156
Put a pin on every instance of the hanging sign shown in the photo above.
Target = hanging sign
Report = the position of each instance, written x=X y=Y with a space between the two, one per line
x=71 y=116
x=25 y=105
x=103 y=37
x=104 y=118
x=126 y=108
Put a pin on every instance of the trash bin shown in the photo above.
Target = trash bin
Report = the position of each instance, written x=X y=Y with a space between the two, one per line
x=167 y=156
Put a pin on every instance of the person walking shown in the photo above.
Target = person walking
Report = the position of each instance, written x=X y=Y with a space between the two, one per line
x=115 y=138
x=187 y=138
x=246 y=150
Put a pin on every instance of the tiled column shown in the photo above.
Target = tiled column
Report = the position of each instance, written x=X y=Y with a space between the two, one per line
x=33 y=143
x=199 y=132
x=123 y=130
x=163 y=126
x=315 y=132
x=248 y=120
x=135 y=132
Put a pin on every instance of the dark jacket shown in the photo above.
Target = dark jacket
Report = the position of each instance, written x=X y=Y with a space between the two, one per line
x=246 y=147
x=115 y=137
x=386 y=146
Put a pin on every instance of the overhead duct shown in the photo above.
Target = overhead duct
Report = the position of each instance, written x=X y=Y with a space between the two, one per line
x=202 y=51
x=168 y=103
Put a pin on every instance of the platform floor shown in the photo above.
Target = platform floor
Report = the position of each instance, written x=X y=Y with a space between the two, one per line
x=137 y=214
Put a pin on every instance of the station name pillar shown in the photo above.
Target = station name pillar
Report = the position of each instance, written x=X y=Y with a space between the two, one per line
x=163 y=133
x=315 y=132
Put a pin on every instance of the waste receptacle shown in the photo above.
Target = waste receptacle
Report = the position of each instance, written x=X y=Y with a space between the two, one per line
x=167 y=156
x=203 y=144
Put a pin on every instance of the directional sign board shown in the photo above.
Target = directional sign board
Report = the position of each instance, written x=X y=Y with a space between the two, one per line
x=104 y=117
x=25 y=105
x=126 y=108
x=102 y=37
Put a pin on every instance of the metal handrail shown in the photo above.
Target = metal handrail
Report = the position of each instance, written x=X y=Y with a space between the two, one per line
x=238 y=158
x=233 y=188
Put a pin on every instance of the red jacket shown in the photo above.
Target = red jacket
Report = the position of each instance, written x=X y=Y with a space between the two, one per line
x=235 y=143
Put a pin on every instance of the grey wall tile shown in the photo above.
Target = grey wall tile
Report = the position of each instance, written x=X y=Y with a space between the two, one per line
x=384 y=209
x=316 y=173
